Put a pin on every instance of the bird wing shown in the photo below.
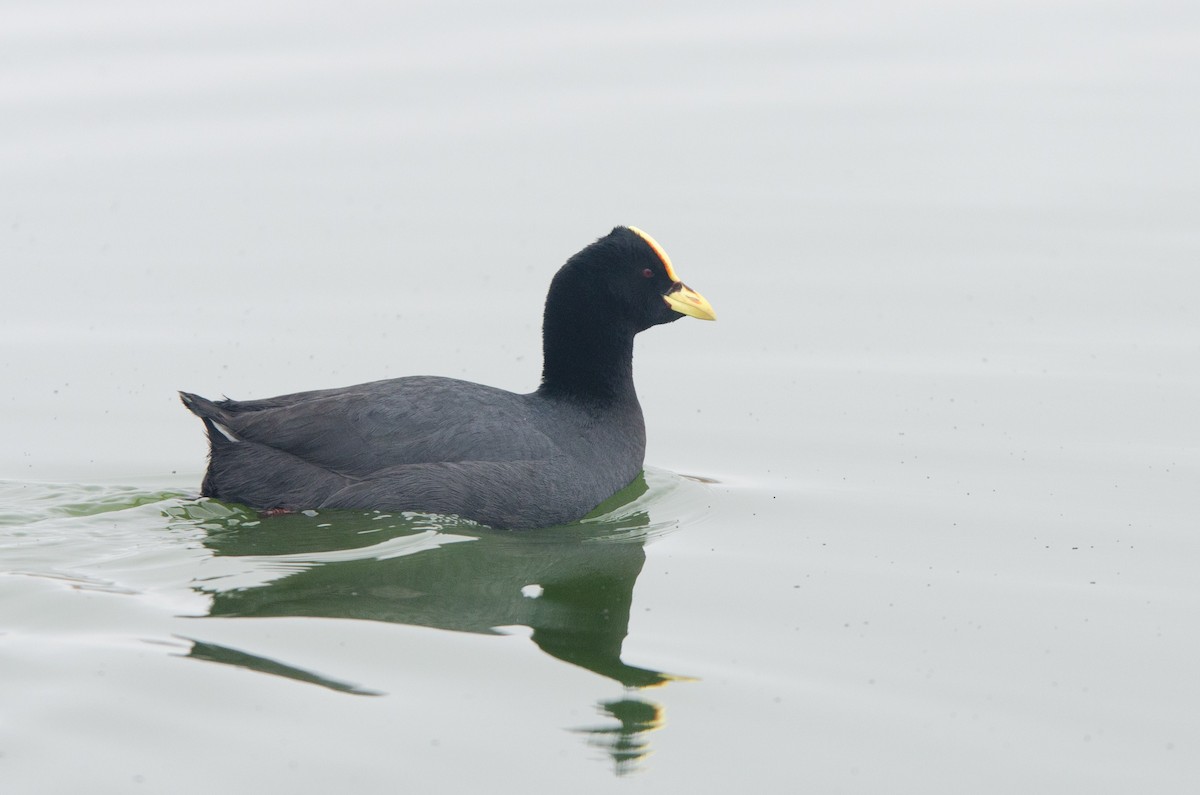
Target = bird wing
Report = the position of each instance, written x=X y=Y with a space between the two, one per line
x=363 y=429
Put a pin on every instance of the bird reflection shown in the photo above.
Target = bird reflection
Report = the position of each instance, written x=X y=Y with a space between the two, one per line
x=572 y=586
x=626 y=742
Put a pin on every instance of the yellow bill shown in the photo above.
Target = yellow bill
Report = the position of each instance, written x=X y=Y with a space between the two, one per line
x=687 y=301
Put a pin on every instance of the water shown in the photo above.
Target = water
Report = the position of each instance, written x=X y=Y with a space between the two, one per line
x=920 y=508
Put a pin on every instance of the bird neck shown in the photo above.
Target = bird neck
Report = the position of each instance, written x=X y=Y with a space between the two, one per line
x=587 y=361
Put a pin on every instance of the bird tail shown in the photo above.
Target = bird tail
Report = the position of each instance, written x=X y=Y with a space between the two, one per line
x=213 y=416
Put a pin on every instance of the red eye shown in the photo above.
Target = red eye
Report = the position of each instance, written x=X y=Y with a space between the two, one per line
x=647 y=273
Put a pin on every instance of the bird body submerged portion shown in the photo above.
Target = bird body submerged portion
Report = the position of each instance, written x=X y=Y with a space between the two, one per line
x=442 y=445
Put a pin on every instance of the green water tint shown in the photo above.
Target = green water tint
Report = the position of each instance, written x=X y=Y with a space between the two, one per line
x=212 y=652
x=39 y=501
x=571 y=585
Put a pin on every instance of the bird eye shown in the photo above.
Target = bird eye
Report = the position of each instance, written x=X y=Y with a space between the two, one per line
x=647 y=273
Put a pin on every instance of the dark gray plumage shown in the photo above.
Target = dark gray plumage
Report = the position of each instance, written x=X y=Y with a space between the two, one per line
x=447 y=446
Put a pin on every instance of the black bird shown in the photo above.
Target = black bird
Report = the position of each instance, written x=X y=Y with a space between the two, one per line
x=441 y=445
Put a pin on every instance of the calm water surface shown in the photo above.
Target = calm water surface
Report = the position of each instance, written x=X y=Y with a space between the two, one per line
x=920 y=508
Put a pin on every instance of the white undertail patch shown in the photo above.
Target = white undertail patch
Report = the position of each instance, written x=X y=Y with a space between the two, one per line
x=228 y=434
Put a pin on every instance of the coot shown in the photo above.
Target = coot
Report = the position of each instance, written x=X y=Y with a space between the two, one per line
x=442 y=445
